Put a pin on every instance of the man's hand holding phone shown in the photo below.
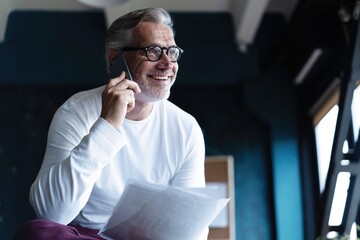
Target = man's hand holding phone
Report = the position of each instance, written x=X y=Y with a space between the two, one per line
x=118 y=98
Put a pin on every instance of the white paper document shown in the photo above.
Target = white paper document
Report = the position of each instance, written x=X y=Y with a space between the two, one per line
x=151 y=212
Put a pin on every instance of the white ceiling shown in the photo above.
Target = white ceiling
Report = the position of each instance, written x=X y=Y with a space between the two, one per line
x=247 y=14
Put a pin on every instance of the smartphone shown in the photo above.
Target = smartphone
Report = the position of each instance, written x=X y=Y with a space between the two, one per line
x=118 y=65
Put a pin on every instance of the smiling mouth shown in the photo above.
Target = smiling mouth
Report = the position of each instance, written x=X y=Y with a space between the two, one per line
x=160 y=78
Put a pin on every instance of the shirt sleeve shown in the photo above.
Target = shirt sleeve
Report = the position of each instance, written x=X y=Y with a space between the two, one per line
x=74 y=157
x=192 y=171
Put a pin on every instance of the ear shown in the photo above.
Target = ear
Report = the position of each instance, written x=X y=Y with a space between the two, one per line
x=111 y=55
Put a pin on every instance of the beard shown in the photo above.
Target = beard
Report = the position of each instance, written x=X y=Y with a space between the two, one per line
x=153 y=93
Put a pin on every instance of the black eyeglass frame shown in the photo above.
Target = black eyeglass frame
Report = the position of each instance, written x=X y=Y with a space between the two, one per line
x=125 y=49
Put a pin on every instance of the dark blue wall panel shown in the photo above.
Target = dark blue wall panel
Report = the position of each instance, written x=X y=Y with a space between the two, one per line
x=54 y=48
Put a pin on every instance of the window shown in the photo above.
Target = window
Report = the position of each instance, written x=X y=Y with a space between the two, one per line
x=324 y=125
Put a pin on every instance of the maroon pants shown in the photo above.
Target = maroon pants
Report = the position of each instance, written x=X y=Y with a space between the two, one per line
x=47 y=230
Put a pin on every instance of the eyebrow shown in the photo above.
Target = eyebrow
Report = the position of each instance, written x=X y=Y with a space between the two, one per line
x=157 y=45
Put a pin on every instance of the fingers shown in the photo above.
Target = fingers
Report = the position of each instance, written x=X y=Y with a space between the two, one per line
x=121 y=83
x=118 y=98
x=115 y=105
x=116 y=80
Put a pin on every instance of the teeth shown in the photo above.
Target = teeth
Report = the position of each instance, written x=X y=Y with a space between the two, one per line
x=160 y=77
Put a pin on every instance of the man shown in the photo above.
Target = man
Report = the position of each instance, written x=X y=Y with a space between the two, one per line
x=100 y=138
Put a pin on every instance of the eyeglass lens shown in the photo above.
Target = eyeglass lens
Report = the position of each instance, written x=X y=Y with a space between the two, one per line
x=155 y=53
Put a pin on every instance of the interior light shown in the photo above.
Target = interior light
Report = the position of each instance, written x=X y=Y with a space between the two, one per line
x=102 y=3
x=315 y=55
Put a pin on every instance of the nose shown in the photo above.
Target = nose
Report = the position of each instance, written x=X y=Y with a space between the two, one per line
x=165 y=60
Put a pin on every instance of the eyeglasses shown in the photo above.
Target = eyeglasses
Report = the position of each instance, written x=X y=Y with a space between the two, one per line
x=154 y=53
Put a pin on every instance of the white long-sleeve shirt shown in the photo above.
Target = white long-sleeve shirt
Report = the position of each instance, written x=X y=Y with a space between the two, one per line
x=87 y=162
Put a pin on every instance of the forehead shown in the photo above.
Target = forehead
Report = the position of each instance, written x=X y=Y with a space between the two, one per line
x=153 y=33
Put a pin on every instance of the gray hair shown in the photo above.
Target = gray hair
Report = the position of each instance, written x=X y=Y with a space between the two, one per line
x=119 y=34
